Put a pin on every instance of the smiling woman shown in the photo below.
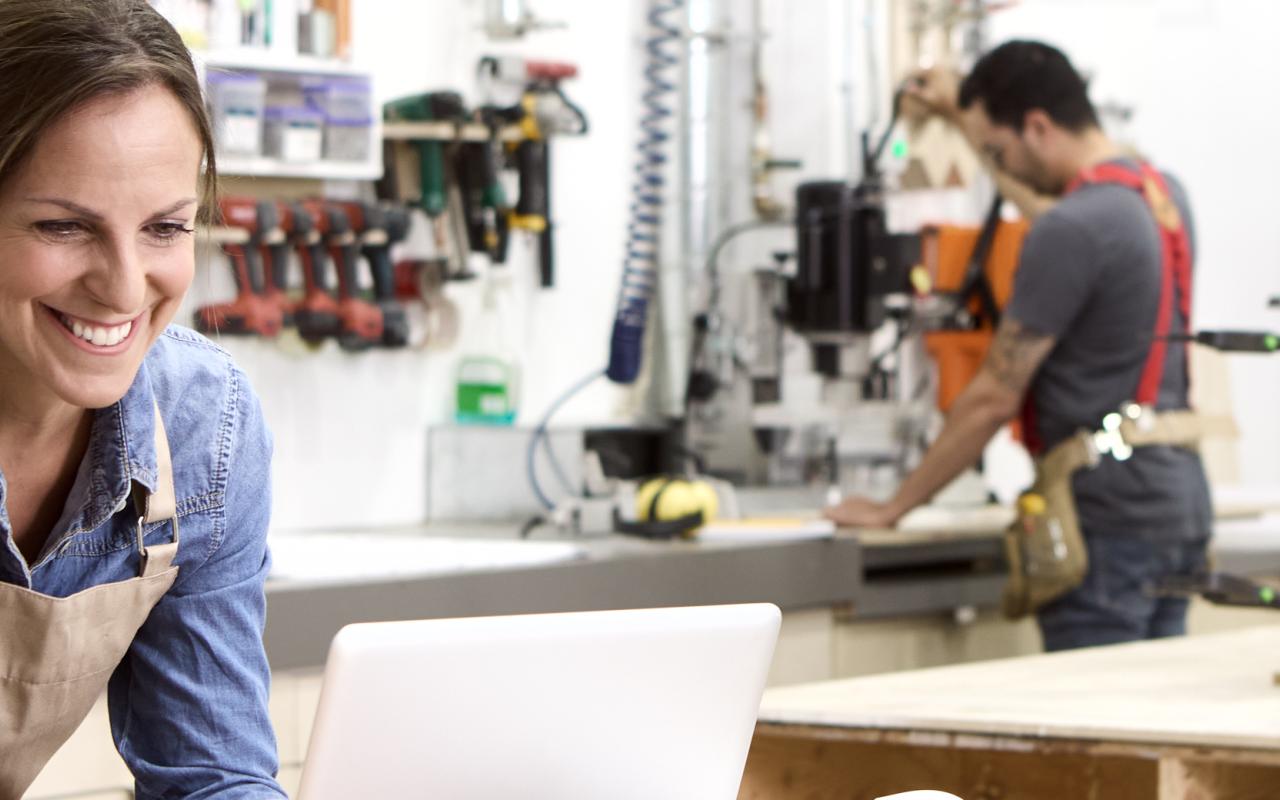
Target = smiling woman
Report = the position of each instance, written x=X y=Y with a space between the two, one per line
x=103 y=134
x=99 y=218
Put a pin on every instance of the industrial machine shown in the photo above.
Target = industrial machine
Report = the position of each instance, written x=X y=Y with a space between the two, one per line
x=895 y=324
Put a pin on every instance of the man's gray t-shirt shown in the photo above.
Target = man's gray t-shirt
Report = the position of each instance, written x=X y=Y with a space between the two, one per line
x=1089 y=275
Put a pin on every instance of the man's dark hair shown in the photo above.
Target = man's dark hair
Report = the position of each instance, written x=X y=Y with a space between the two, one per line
x=1019 y=76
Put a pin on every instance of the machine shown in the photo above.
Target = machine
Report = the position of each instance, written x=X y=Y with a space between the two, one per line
x=847 y=284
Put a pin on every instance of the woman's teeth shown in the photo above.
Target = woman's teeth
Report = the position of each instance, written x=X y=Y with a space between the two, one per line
x=98 y=336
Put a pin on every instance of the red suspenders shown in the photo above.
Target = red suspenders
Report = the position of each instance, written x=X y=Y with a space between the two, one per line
x=1175 y=248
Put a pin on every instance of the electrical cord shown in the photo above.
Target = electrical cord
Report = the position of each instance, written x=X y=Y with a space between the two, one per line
x=561 y=476
x=893 y=123
x=583 y=125
x=531 y=523
x=703 y=321
x=713 y=255
x=541 y=431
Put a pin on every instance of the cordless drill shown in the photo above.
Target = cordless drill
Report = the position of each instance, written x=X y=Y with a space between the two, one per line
x=543 y=111
x=485 y=208
x=275 y=258
x=316 y=314
x=429 y=107
x=546 y=111
x=360 y=322
x=249 y=313
x=379 y=227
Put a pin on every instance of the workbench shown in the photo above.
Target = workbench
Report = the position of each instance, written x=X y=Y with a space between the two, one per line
x=1176 y=719
x=856 y=604
x=611 y=573
x=941 y=561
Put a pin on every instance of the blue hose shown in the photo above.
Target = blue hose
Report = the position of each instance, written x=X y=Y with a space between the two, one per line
x=640 y=269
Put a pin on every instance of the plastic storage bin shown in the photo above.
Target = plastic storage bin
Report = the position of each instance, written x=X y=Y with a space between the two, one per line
x=293 y=133
x=347 y=139
x=340 y=98
x=236 y=102
x=348 y=117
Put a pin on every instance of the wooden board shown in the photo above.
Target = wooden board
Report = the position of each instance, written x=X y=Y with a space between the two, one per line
x=815 y=765
x=1215 y=690
x=788 y=762
x=932 y=524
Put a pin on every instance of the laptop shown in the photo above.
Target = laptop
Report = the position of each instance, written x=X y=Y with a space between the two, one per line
x=626 y=705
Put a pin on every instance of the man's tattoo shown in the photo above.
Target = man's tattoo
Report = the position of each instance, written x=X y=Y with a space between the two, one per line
x=1016 y=353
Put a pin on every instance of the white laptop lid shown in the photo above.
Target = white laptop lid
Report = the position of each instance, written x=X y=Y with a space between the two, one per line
x=643 y=704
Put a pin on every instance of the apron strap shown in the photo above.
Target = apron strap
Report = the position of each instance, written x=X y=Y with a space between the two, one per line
x=157 y=506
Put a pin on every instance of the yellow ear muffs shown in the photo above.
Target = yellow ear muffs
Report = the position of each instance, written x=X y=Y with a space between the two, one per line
x=669 y=507
x=666 y=499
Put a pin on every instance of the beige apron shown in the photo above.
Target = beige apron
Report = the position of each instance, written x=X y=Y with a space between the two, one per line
x=56 y=654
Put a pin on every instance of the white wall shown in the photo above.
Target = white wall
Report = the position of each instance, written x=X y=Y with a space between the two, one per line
x=1200 y=75
x=351 y=430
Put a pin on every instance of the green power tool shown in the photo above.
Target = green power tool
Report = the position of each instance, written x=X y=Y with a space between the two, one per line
x=429 y=107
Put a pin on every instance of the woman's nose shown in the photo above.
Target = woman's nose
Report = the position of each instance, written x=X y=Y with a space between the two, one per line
x=118 y=281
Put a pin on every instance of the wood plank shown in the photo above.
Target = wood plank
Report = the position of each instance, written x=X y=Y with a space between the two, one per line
x=1200 y=779
x=1215 y=690
x=783 y=765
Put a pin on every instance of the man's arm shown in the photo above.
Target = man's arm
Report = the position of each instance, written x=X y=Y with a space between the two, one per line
x=992 y=399
x=935 y=92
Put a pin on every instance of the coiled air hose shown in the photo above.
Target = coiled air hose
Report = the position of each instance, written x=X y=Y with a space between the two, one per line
x=640 y=268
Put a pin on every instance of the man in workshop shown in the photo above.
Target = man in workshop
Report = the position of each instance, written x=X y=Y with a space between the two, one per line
x=1103 y=280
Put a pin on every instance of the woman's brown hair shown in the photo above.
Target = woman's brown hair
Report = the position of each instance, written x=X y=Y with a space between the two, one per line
x=55 y=55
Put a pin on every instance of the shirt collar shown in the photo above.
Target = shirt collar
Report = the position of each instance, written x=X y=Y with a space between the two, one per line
x=121 y=451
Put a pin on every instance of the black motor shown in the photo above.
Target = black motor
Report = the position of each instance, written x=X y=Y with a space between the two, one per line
x=847 y=262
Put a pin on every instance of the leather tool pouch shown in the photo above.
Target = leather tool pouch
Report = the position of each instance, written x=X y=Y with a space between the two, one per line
x=1044 y=546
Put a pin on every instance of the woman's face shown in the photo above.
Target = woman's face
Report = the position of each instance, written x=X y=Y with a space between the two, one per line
x=96 y=248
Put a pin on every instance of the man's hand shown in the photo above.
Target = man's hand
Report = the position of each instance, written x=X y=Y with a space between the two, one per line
x=932 y=92
x=988 y=402
x=859 y=512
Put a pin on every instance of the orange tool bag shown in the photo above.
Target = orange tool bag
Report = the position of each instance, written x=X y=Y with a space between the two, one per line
x=976 y=266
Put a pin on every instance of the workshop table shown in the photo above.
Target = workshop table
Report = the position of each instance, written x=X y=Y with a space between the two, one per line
x=1174 y=719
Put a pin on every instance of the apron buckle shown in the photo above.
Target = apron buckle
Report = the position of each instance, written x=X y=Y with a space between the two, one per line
x=142 y=548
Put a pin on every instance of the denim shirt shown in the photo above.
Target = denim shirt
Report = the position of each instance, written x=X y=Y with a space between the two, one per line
x=188 y=704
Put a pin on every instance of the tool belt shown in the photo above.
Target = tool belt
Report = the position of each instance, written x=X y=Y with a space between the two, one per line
x=1044 y=546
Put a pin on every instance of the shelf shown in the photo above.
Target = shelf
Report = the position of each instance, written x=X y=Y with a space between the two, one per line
x=263 y=60
x=447 y=131
x=286 y=66
x=318 y=170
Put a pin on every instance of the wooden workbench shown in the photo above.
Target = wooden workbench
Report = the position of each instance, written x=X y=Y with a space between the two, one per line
x=1181 y=719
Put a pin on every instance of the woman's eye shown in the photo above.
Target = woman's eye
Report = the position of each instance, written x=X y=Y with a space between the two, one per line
x=60 y=229
x=169 y=231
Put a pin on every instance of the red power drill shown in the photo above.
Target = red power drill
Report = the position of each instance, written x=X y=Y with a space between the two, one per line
x=275 y=260
x=316 y=314
x=360 y=321
x=250 y=313
x=378 y=227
